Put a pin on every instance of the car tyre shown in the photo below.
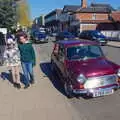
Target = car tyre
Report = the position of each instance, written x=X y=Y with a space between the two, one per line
x=68 y=90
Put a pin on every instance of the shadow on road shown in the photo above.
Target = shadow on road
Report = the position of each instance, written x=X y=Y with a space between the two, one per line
x=8 y=76
x=53 y=77
x=46 y=69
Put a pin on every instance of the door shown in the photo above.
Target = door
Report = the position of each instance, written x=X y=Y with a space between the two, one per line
x=54 y=57
x=61 y=59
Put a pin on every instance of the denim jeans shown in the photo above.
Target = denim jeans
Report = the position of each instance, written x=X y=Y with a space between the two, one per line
x=28 y=72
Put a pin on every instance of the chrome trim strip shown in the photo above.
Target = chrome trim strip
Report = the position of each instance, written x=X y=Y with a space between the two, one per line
x=91 y=91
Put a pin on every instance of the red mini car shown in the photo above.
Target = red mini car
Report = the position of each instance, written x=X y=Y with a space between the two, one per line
x=83 y=68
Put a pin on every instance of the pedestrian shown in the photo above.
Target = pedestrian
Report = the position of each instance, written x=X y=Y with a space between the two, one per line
x=12 y=60
x=28 y=60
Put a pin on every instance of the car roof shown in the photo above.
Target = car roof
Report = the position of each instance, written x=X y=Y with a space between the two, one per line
x=68 y=43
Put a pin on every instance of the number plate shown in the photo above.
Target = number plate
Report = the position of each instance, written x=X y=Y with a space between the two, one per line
x=103 y=92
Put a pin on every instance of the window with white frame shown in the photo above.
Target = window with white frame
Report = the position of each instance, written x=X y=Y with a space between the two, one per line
x=94 y=16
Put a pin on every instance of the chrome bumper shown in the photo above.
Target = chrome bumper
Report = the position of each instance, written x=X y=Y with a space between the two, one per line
x=90 y=92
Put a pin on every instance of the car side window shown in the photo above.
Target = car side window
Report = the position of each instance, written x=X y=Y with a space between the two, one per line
x=61 y=53
x=85 y=34
x=82 y=34
x=89 y=35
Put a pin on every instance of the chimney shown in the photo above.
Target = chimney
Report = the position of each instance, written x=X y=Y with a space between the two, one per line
x=84 y=3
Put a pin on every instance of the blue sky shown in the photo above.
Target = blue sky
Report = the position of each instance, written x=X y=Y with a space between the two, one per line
x=38 y=7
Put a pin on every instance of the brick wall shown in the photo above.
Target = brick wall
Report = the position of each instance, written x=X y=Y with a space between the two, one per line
x=83 y=17
x=91 y=16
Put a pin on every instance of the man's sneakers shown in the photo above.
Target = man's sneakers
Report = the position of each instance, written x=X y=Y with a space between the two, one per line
x=26 y=86
x=32 y=82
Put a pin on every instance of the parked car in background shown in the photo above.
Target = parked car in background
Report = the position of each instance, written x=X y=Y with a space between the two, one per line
x=94 y=35
x=64 y=36
x=39 y=36
x=83 y=68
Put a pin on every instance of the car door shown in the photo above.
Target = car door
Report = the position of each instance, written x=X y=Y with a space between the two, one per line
x=89 y=35
x=54 y=56
x=61 y=59
x=61 y=36
x=82 y=35
x=85 y=35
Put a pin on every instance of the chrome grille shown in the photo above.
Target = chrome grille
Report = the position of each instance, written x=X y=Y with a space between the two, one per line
x=95 y=82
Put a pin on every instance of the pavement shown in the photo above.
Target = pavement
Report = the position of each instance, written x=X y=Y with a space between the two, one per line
x=113 y=44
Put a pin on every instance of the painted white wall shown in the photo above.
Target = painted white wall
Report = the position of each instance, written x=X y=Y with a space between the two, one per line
x=113 y=35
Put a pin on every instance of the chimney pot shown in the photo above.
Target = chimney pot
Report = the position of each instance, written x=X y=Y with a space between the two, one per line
x=84 y=3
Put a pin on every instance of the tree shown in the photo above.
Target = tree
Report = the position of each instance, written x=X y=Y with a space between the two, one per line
x=7 y=13
x=23 y=14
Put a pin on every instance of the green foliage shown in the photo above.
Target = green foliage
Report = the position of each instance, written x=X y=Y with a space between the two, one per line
x=7 y=13
x=23 y=14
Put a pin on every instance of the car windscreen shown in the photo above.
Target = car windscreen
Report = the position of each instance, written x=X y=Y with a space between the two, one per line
x=97 y=33
x=84 y=52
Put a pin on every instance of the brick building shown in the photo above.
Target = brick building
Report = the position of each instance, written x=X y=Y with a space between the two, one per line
x=76 y=18
x=65 y=16
x=52 y=20
x=95 y=16
x=116 y=19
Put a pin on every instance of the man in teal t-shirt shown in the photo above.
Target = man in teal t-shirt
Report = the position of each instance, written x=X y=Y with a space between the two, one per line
x=28 y=60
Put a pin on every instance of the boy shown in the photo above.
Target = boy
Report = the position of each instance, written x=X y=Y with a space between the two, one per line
x=27 y=56
x=12 y=60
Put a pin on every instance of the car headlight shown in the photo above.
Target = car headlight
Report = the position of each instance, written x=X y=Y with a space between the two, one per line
x=118 y=72
x=81 y=78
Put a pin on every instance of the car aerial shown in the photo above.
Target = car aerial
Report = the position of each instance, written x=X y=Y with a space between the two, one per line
x=83 y=68
x=94 y=35
x=64 y=36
